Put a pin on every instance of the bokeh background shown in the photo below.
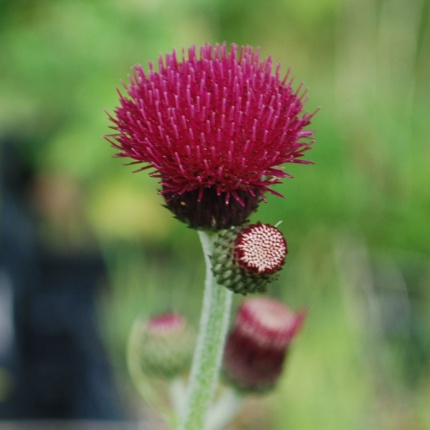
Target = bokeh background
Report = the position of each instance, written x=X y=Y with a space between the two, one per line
x=357 y=221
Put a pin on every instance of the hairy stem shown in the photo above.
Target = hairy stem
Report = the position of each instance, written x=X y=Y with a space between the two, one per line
x=210 y=345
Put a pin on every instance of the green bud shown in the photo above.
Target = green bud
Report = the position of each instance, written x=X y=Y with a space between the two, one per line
x=166 y=346
x=247 y=258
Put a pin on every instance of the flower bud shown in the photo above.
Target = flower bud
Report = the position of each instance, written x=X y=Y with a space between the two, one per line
x=257 y=346
x=246 y=259
x=165 y=346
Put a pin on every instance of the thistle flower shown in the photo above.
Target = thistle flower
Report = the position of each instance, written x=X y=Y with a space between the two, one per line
x=258 y=344
x=247 y=259
x=215 y=129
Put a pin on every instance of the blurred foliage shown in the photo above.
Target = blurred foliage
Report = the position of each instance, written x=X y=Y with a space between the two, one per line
x=356 y=221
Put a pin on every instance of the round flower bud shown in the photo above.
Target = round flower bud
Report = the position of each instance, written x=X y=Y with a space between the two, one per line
x=258 y=344
x=166 y=345
x=260 y=249
x=246 y=259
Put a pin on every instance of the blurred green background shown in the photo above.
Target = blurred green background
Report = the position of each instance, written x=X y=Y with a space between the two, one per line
x=357 y=222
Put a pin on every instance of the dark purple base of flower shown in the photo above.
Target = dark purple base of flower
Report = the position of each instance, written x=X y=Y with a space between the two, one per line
x=211 y=212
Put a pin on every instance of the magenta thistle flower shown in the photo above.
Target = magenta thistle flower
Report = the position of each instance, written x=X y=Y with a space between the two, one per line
x=258 y=344
x=215 y=128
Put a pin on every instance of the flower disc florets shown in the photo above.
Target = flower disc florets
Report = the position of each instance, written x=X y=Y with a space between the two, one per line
x=247 y=259
x=260 y=248
x=219 y=122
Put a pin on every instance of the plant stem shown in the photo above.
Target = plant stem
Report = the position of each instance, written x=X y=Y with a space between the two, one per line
x=177 y=395
x=210 y=345
x=224 y=410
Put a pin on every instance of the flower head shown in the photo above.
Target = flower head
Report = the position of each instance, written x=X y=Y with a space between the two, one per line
x=257 y=346
x=215 y=128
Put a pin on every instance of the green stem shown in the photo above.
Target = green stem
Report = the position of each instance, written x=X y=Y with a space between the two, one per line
x=177 y=395
x=224 y=410
x=210 y=345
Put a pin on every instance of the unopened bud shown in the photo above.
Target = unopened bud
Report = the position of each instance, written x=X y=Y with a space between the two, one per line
x=246 y=259
x=258 y=344
x=166 y=345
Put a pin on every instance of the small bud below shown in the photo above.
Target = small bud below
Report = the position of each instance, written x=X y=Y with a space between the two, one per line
x=165 y=345
x=258 y=344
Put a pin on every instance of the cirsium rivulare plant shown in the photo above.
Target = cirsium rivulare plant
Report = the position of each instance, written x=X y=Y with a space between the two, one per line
x=215 y=126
